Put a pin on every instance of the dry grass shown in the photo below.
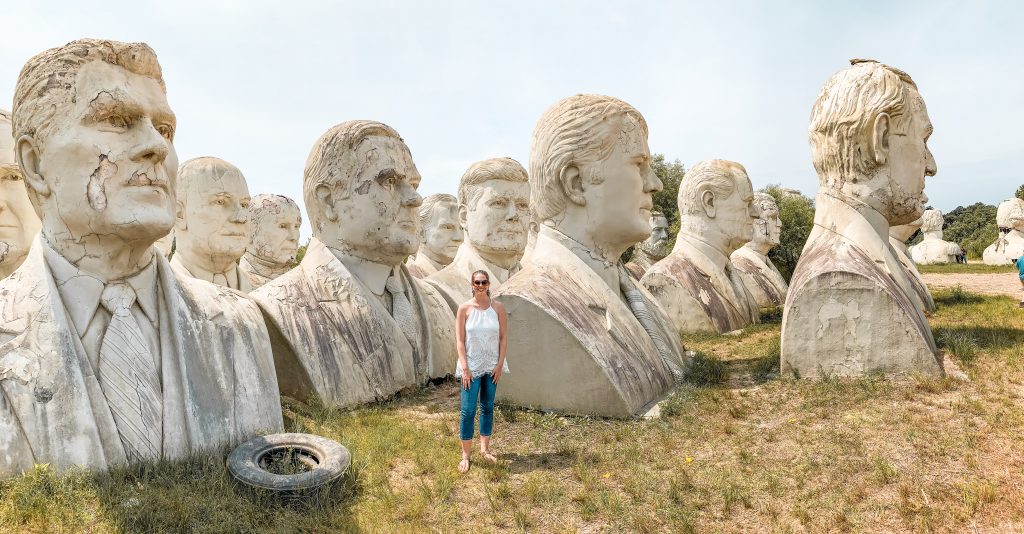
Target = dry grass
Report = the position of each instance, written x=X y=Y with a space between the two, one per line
x=738 y=450
x=960 y=268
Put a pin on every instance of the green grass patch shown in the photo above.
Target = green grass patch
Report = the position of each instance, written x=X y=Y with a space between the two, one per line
x=961 y=268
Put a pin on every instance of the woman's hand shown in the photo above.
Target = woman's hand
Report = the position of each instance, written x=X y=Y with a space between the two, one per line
x=467 y=380
x=496 y=374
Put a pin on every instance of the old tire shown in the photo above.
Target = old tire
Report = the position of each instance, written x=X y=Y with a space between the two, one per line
x=325 y=459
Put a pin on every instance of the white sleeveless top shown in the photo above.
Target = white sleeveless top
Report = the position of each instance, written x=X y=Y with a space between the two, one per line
x=483 y=333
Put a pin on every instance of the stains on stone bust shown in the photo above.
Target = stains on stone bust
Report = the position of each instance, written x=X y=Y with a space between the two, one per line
x=95 y=191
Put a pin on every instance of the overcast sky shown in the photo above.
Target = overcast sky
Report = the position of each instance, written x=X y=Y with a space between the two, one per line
x=256 y=82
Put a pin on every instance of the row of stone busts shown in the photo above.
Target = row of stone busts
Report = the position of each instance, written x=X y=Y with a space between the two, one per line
x=1009 y=244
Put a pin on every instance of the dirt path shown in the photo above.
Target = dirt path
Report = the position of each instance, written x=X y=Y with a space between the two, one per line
x=986 y=284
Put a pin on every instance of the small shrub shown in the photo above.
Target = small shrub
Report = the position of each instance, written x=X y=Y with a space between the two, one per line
x=960 y=344
x=706 y=371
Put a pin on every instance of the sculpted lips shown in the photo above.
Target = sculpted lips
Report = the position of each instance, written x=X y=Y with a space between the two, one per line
x=143 y=179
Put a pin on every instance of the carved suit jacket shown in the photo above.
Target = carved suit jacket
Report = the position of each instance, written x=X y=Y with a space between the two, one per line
x=217 y=373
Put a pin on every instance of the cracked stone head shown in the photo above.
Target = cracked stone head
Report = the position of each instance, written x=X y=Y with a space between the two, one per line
x=768 y=226
x=274 y=221
x=1010 y=214
x=869 y=139
x=213 y=210
x=494 y=206
x=18 y=221
x=442 y=234
x=94 y=140
x=718 y=194
x=657 y=245
x=360 y=190
x=931 y=221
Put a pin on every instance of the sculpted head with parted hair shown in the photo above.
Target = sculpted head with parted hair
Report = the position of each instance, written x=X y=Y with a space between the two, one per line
x=716 y=205
x=494 y=207
x=18 y=221
x=360 y=191
x=590 y=173
x=1010 y=214
x=274 y=223
x=931 y=221
x=441 y=234
x=212 y=227
x=869 y=132
x=657 y=246
x=768 y=226
x=94 y=139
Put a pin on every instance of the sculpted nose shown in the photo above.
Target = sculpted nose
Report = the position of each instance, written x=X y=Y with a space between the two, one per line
x=151 y=146
x=930 y=167
x=459 y=235
x=652 y=184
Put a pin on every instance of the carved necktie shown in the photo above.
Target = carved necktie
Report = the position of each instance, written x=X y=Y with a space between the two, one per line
x=402 y=312
x=221 y=279
x=128 y=377
x=639 y=308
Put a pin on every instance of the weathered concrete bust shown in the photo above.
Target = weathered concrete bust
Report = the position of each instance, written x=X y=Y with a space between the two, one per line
x=696 y=284
x=932 y=249
x=105 y=355
x=898 y=236
x=212 y=228
x=350 y=324
x=760 y=276
x=652 y=250
x=274 y=223
x=851 y=308
x=494 y=207
x=596 y=342
x=440 y=235
x=1009 y=245
x=19 y=223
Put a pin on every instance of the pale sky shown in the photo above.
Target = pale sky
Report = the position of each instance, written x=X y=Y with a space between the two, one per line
x=255 y=82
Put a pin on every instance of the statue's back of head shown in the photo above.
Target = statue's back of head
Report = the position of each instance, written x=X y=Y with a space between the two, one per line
x=1010 y=214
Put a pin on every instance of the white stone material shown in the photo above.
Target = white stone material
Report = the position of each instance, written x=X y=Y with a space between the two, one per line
x=274 y=222
x=18 y=220
x=932 y=249
x=650 y=251
x=696 y=284
x=584 y=337
x=494 y=207
x=350 y=324
x=852 y=308
x=441 y=234
x=760 y=276
x=898 y=236
x=1010 y=244
x=212 y=228
x=96 y=151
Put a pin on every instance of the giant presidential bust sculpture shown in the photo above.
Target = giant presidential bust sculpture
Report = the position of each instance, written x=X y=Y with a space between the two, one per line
x=932 y=248
x=760 y=276
x=851 y=308
x=212 y=229
x=696 y=284
x=105 y=355
x=19 y=223
x=593 y=341
x=350 y=324
x=1009 y=244
x=654 y=249
x=440 y=235
x=494 y=207
x=274 y=223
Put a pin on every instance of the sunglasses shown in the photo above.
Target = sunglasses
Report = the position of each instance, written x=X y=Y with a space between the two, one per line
x=481 y=282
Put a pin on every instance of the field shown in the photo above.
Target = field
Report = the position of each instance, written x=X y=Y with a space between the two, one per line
x=737 y=449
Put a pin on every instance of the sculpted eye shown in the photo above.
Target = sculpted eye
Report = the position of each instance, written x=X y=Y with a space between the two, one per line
x=117 y=121
x=166 y=131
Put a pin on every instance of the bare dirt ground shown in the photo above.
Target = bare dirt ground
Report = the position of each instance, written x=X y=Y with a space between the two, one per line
x=986 y=284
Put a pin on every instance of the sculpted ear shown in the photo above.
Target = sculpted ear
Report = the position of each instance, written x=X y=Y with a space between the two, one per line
x=707 y=201
x=880 y=130
x=28 y=159
x=179 y=216
x=326 y=199
x=463 y=215
x=572 y=184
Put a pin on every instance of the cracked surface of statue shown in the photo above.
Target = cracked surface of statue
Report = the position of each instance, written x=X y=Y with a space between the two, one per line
x=696 y=283
x=274 y=222
x=591 y=340
x=212 y=228
x=852 y=307
x=350 y=324
x=106 y=356
x=653 y=249
x=760 y=276
x=1009 y=245
x=440 y=235
x=898 y=236
x=19 y=223
x=932 y=248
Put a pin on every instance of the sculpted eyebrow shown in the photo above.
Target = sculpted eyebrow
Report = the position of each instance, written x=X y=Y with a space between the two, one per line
x=106 y=104
x=384 y=174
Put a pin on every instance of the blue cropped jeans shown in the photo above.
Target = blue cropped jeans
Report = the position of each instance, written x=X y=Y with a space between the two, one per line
x=481 y=388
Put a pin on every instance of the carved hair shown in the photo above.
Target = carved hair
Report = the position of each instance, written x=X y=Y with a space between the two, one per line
x=931 y=221
x=334 y=161
x=200 y=170
x=480 y=172
x=265 y=202
x=579 y=129
x=658 y=213
x=46 y=86
x=766 y=204
x=1010 y=213
x=715 y=175
x=432 y=202
x=844 y=114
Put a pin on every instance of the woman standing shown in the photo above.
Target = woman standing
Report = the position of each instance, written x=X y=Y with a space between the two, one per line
x=480 y=326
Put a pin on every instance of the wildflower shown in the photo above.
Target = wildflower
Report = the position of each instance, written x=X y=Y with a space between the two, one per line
x=689 y=459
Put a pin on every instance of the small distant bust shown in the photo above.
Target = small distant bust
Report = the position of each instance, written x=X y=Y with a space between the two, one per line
x=932 y=249
x=696 y=284
x=494 y=207
x=440 y=235
x=656 y=247
x=898 y=236
x=274 y=221
x=760 y=276
x=212 y=228
x=19 y=223
x=1009 y=245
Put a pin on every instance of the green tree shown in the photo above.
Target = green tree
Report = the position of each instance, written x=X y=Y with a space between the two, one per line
x=797 y=214
x=301 y=252
x=665 y=201
x=1020 y=192
x=973 y=227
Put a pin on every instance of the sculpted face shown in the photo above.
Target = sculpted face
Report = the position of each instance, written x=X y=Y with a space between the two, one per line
x=500 y=219
x=737 y=214
x=657 y=246
x=379 y=220
x=768 y=227
x=110 y=164
x=443 y=234
x=216 y=217
x=909 y=162
x=275 y=231
x=18 y=221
